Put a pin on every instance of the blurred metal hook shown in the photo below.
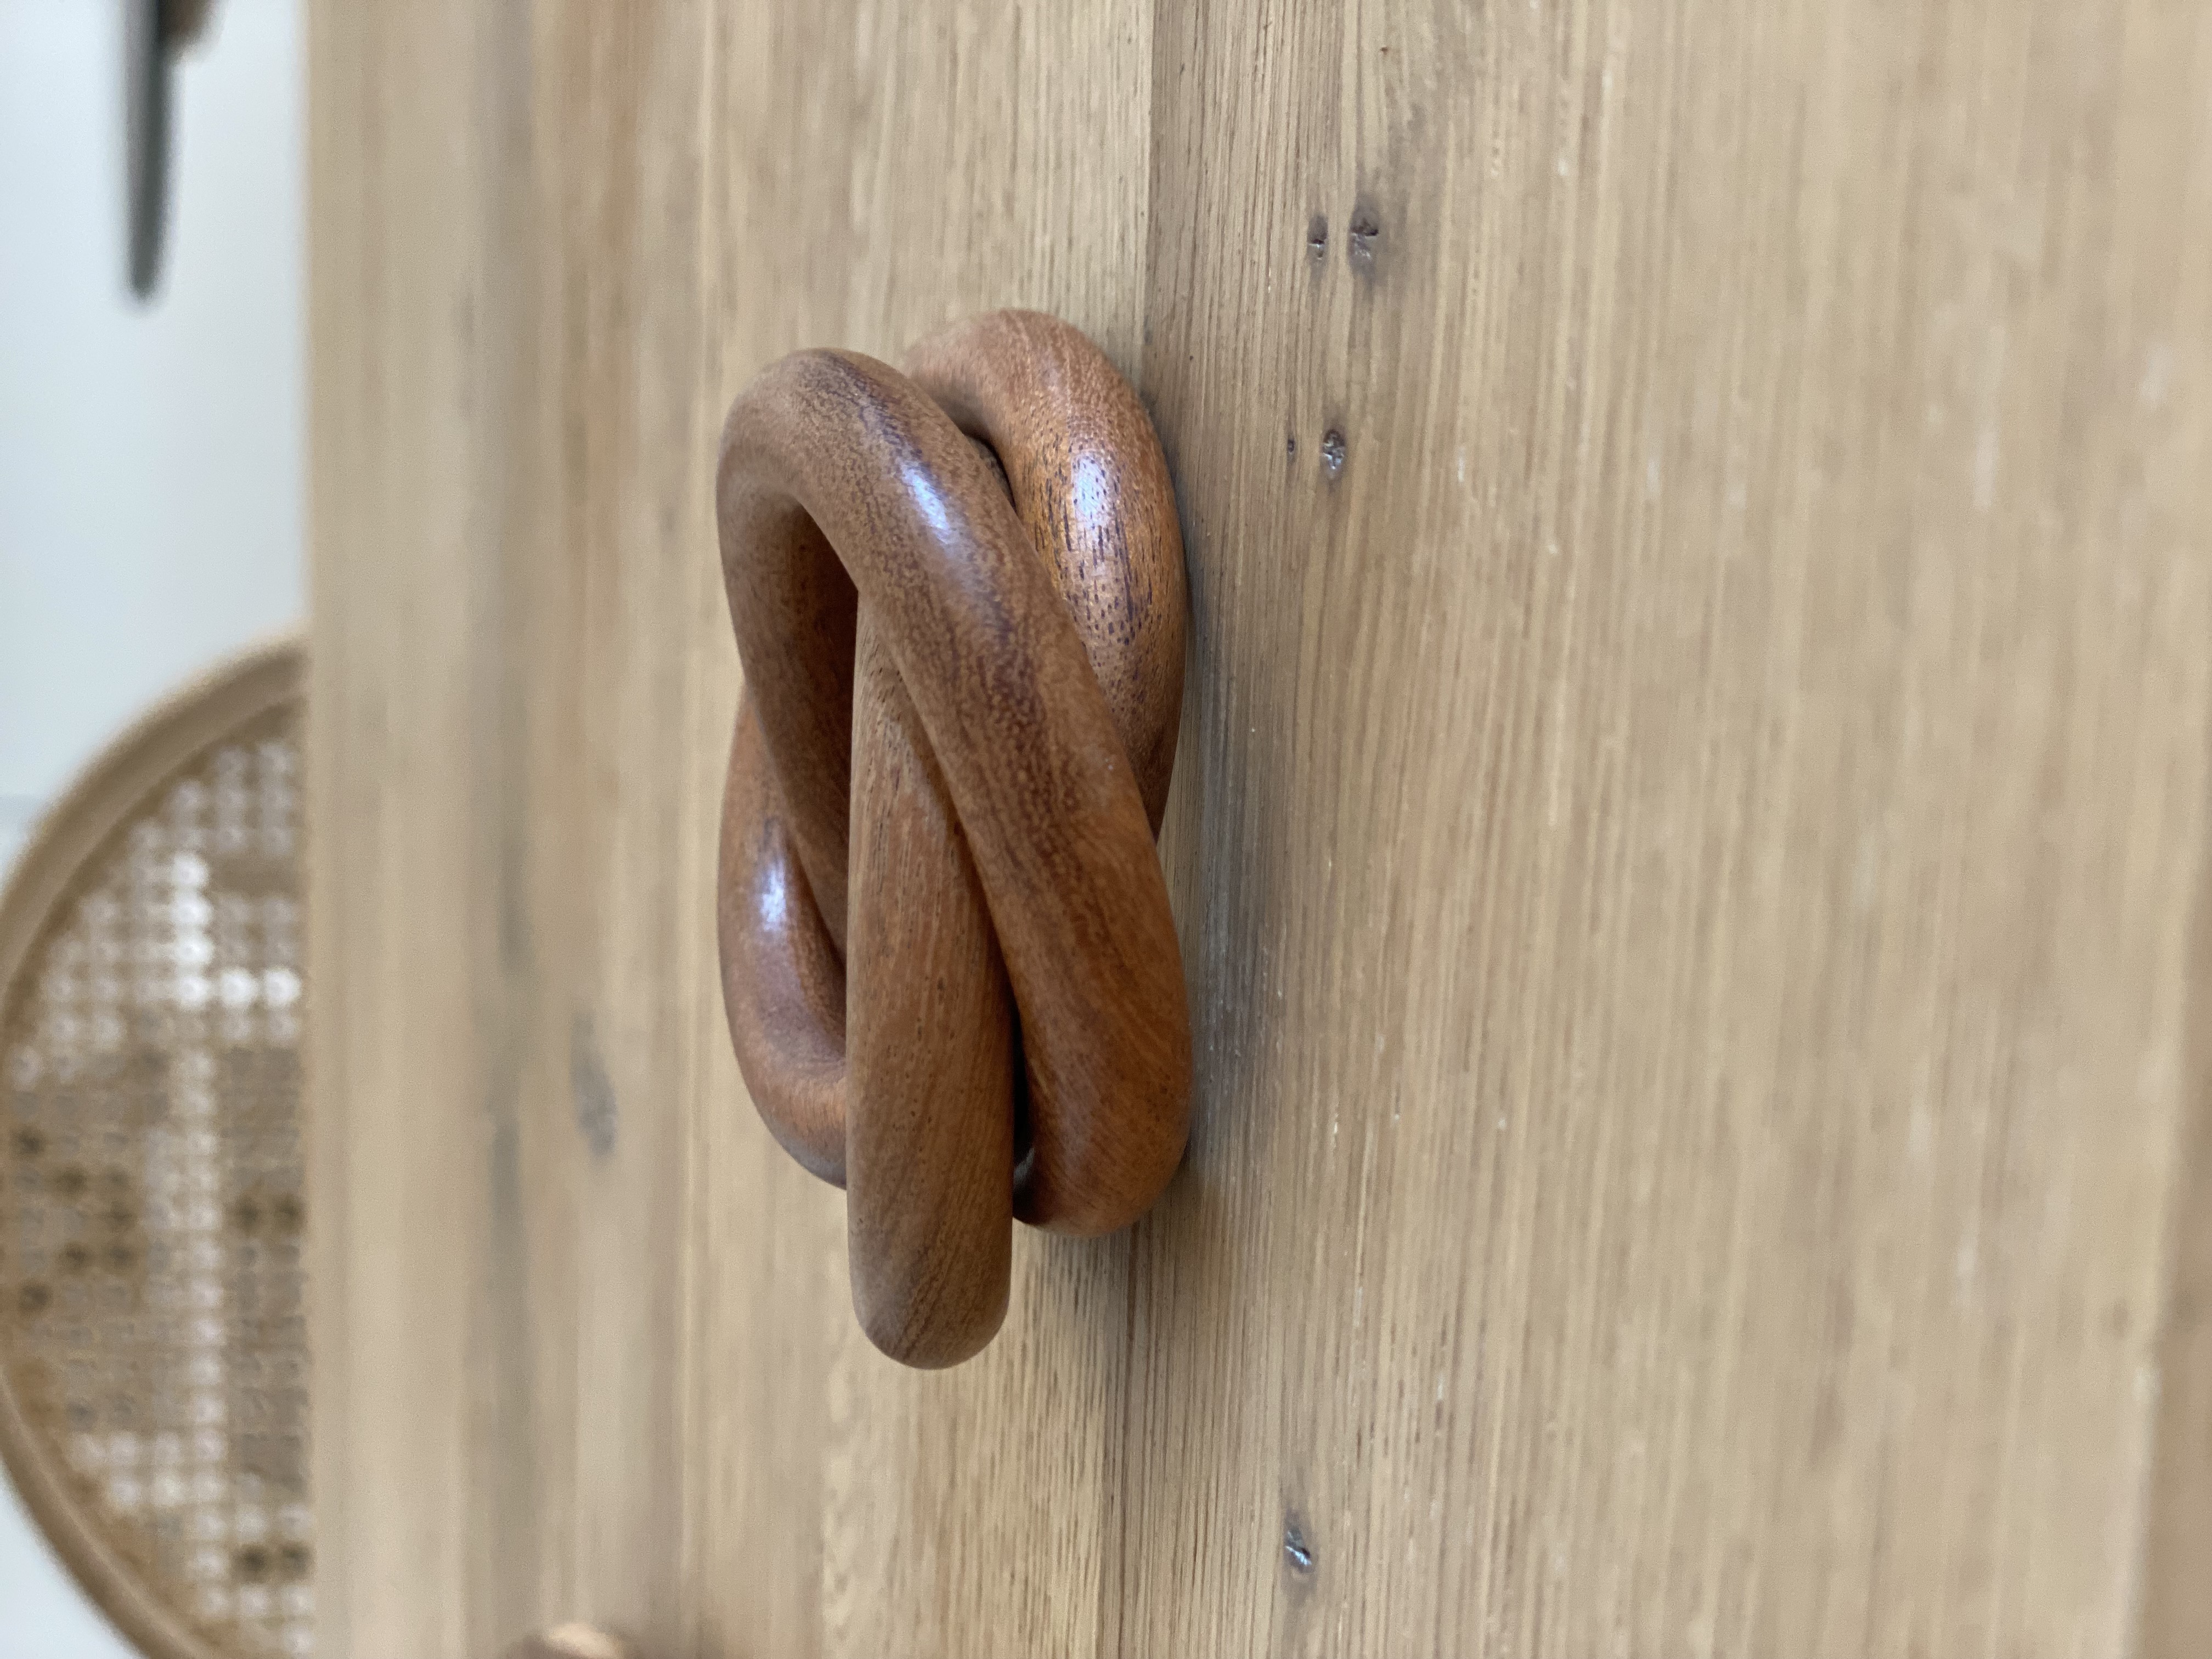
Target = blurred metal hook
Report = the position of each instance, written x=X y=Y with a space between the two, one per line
x=154 y=32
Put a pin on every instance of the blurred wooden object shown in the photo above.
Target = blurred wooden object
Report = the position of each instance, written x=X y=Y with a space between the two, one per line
x=1688 y=841
x=569 y=1642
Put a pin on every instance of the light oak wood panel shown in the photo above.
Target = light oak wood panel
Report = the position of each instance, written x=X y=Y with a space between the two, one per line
x=1687 y=840
x=399 y=470
x=1685 y=843
x=2176 y=1593
x=893 y=167
x=514 y=441
x=612 y=1354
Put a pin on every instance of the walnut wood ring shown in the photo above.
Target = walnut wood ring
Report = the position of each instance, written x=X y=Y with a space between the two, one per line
x=948 y=961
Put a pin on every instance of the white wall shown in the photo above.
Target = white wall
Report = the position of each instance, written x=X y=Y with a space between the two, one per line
x=151 y=463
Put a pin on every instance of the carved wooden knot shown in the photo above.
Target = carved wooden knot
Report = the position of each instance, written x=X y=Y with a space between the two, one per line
x=947 y=957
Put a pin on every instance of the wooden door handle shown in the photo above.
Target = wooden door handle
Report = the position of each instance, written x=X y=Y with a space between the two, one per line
x=948 y=961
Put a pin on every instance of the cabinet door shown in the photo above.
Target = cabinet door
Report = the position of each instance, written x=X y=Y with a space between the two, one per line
x=1687 y=841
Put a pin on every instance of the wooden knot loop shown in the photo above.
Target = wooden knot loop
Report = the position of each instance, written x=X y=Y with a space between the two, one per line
x=949 y=969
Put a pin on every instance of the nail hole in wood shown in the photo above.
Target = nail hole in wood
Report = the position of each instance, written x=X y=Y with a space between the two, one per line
x=1366 y=232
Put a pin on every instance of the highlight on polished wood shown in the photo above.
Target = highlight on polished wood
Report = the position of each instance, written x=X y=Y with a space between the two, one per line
x=949 y=969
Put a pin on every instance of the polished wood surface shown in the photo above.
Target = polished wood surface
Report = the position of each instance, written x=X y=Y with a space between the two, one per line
x=962 y=621
x=1687 y=838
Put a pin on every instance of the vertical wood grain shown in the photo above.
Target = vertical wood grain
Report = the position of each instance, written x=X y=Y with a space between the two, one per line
x=513 y=437
x=399 y=467
x=897 y=168
x=1697 y=768
x=645 y=1365
x=2176 y=1597
x=1691 y=816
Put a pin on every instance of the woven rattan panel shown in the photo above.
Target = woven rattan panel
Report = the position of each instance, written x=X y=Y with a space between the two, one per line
x=152 y=1332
